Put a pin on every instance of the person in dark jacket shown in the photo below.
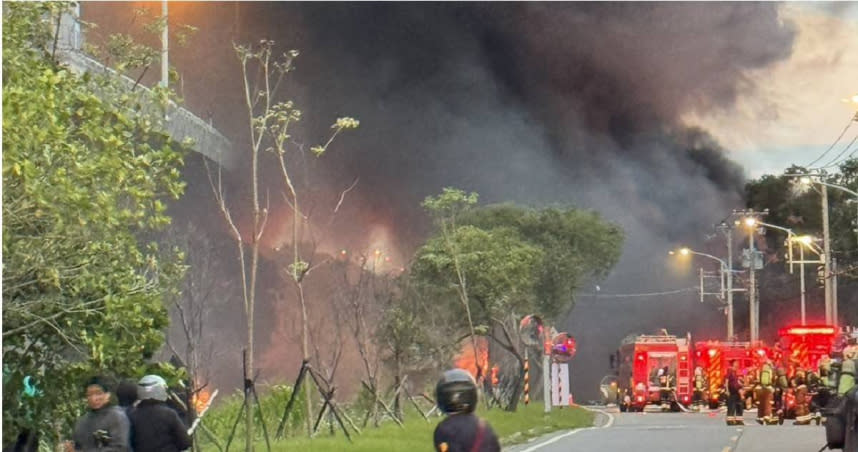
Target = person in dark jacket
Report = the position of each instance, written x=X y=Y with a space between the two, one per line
x=462 y=430
x=104 y=428
x=126 y=395
x=734 y=395
x=157 y=428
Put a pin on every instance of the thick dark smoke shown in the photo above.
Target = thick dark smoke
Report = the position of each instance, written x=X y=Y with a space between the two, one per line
x=538 y=103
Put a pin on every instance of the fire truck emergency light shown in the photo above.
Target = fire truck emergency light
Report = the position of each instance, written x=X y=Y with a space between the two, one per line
x=804 y=330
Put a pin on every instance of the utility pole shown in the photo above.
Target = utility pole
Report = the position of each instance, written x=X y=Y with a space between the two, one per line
x=826 y=249
x=801 y=256
x=834 y=292
x=750 y=218
x=728 y=232
x=753 y=303
x=165 y=75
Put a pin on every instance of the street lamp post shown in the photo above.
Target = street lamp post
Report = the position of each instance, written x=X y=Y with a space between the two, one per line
x=725 y=269
x=803 y=242
x=830 y=278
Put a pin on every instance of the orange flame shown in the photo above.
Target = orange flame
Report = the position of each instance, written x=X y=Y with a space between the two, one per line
x=200 y=400
x=466 y=360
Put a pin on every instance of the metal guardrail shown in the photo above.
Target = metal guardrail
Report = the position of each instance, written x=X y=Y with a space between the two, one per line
x=181 y=124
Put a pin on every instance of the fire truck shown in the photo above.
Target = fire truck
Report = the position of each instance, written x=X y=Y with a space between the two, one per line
x=714 y=358
x=803 y=346
x=655 y=369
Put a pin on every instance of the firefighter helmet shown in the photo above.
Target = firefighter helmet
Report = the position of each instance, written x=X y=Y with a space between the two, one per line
x=456 y=392
x=152 y=387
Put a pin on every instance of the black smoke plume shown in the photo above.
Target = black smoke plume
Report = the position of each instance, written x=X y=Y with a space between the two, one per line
x=538 y=103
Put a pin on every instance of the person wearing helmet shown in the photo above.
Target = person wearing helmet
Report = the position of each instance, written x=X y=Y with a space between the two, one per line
x=104 y=427
x=764 y=393
x=699 y=387
x=157 y=428
x=462 y=430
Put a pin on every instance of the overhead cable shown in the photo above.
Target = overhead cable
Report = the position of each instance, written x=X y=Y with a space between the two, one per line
x=637 y=295
x=835 y=162
x=851 y=120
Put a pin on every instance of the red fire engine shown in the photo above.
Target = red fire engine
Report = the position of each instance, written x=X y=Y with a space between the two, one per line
x=803 y=346
x=714 y=358
x=655 y=369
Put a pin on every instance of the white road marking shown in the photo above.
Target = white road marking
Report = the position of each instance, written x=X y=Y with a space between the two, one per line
x=734 y=438
x=610 y=418
x=726 y=449
x=555 y=439
x=572 y=432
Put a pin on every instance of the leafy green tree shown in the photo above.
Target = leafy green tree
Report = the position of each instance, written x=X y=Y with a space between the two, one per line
x=84 y=177
x=506 y=261
x=445 y=210
x=577 y=247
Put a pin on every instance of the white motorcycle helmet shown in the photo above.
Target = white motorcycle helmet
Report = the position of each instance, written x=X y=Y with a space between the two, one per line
x=152 y=387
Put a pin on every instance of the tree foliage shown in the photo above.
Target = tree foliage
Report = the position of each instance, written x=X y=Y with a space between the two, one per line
x=577 y=246
x=798 y=207
x=499 y=268
x=85 y=175
x=516 y=259
x=506 y=261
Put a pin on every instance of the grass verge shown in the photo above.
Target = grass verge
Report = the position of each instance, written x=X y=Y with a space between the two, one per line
x=416 y=435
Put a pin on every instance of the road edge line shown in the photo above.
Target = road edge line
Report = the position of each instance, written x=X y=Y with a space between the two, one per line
x=572 y=432
x=555 y=439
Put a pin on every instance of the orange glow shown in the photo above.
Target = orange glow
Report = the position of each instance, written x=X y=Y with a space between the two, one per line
x=465 y=359
x=200 y=400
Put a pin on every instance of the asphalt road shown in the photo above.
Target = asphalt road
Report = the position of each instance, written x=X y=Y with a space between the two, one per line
x=679 y=432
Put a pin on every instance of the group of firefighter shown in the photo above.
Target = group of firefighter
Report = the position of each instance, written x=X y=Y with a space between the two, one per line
x=781 y=392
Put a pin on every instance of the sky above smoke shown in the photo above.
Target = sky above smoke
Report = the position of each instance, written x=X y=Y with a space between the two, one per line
x=637 y=110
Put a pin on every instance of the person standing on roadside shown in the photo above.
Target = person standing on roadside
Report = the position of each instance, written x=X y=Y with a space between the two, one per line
x=157 y=428
x=104 y=428
x=734 y=395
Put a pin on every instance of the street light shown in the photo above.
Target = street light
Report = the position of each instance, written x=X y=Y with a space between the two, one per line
x=830 y=276
x=725 y=270
x=804 y=241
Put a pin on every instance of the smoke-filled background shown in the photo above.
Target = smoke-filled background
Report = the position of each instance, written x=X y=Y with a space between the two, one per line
x=536 y=103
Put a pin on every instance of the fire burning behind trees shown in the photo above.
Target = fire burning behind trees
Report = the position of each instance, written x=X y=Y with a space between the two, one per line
x=466 y=359
x=441 y=104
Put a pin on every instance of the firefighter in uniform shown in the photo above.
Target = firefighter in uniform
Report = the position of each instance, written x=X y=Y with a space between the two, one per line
x=734 y=395
x=802 y=399
x=841 y=425
x=699 y=387
x=781 y=389
x=764 y=392
x=751 y=383
x=461 y=431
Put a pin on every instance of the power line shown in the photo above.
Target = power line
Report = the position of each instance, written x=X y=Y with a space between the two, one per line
x=637 y=295
x=835 y=162
x=851 y=120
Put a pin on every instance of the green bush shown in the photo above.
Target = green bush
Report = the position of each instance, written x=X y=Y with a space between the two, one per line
x=223 y=414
